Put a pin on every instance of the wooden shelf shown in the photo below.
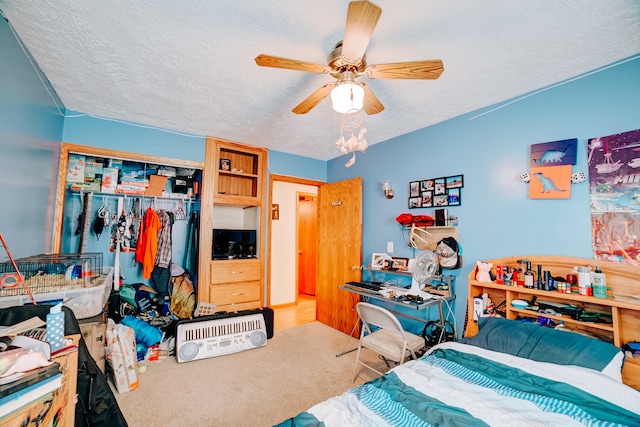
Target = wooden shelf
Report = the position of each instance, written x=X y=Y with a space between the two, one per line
x=242 y=190
x=623 y=280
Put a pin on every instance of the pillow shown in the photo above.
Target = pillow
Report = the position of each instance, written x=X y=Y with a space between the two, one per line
x=543 y=344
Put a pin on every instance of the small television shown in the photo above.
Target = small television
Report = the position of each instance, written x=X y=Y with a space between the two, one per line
x=233 y=244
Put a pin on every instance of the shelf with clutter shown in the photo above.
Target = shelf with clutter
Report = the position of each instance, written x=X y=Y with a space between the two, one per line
x=564 y=298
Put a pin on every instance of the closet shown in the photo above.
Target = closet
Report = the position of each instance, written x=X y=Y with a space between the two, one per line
x=99 y=189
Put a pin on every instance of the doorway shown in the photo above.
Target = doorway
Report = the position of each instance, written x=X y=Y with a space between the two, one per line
x=292 y=246
x=307 y=240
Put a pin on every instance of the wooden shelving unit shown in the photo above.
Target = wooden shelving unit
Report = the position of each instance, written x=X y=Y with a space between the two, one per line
x=234 y=184
x=624 y=281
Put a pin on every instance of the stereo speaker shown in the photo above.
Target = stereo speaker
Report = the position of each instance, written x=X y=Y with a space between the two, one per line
x=441 y=217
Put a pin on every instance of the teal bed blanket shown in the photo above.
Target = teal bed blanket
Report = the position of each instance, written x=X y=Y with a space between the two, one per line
x=461 y=385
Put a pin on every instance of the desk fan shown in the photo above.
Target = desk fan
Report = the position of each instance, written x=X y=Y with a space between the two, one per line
x=425 y=268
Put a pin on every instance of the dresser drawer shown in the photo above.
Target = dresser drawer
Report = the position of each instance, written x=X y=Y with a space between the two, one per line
x=235 y=293
x=233 y=271
x=238 y=307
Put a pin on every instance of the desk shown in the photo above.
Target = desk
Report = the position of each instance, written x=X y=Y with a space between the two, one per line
x=435 y=300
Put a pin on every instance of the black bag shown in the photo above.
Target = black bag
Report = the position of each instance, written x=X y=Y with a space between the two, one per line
x=433 y=333
x=97 y=406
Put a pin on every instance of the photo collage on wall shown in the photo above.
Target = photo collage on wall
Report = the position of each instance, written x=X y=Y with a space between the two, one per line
x=436 y=192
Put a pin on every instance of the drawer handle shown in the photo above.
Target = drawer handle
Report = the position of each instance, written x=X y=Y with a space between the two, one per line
x=236 y=272
x=237 y=294
x=99 y=338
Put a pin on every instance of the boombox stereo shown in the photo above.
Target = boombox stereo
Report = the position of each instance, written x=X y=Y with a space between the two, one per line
x=220 y=334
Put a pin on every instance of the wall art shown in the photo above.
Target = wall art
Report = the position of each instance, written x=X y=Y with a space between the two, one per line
x=614 y=178
x=436 y=192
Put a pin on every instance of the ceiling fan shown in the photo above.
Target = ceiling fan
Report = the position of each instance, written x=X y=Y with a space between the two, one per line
x=347 y=62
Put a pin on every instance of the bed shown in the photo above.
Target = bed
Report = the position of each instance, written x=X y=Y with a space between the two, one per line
x=510 y=373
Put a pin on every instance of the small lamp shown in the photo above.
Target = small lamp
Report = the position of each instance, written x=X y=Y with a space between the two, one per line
x=387 y=190
x=347 y=96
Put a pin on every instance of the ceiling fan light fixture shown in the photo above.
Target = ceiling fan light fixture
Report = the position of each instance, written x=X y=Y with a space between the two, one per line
x=347 y=96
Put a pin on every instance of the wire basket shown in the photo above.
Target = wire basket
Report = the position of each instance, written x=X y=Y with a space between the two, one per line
x=52 y=273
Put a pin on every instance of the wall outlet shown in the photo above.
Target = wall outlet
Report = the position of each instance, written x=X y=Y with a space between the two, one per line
x=389 y=247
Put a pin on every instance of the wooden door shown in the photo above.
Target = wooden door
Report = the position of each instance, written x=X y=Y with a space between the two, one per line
x=307 y=233
x=339 y=251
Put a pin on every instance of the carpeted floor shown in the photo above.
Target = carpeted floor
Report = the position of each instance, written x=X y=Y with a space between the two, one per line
x=260 y=387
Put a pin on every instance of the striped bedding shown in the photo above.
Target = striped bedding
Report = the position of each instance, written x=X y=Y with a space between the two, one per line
x=461 y=385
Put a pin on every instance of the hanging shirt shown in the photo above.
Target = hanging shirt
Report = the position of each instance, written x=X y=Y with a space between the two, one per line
x=163 y=256
x=148 y=242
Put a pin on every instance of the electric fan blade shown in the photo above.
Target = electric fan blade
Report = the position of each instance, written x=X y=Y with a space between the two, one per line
x=314 y=99
x=290 y=64
x=424 y=70
x=362 y=18
x=372 y=104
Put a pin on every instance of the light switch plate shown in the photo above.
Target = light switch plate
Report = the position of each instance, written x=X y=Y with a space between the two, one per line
x=389 y=247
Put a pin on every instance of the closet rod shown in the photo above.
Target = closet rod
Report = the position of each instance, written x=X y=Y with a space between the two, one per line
x=142 y=196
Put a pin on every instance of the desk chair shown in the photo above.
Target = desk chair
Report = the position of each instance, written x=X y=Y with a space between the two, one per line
x=389 y=339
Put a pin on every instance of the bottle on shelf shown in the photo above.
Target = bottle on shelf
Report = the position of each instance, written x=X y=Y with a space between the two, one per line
x=599 y=281
x=528 y=277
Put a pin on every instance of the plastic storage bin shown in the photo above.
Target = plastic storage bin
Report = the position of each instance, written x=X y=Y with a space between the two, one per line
x=84 y=302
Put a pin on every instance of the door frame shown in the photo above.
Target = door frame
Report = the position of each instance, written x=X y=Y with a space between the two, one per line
x=272 y=179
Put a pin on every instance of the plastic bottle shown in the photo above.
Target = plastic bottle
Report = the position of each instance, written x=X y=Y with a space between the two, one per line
x=55 y=327
x=599 y=281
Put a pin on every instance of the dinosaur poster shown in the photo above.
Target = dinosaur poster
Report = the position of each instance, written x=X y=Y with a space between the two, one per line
x=614 y=186
x=554 y=153
x=550 y=182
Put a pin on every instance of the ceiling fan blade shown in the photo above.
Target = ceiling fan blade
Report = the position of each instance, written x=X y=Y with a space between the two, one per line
x=362 y=18
x=372 y=104
x=290 y=64
x=424 y=70
x=314 y=99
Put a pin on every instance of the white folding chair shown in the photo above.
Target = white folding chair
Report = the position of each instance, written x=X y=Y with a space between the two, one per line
x=389 y=339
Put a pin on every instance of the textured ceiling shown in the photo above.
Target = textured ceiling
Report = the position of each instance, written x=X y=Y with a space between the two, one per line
x=189 y=66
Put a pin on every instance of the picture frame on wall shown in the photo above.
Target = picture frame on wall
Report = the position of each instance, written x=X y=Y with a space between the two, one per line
x=436 y=192
x=456 y=181
x=427 y=199
x=426 y=185
x=453 y=195
x=415 y=202
x=441 y=200
x=439 y=186
x=414 y=189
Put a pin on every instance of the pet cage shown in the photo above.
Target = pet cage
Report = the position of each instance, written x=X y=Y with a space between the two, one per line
x=47 y=273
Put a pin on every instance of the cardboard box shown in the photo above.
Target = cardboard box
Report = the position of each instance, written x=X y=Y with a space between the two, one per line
x=157 y=185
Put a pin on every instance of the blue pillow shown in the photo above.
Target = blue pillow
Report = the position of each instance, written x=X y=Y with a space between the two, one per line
x=543 y=344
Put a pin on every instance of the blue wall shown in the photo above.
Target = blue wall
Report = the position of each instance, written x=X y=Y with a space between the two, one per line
x=30 y=132
x=496 y=217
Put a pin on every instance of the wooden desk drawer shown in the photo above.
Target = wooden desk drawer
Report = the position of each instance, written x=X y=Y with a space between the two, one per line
x=232 y=271
x=235 y=293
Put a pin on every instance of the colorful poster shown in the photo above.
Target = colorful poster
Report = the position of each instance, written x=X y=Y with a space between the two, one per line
x=614 y=185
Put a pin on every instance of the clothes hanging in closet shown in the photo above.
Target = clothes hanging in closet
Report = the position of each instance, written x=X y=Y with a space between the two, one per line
x=191 y=253
x=161 y=275
x=148 y=242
